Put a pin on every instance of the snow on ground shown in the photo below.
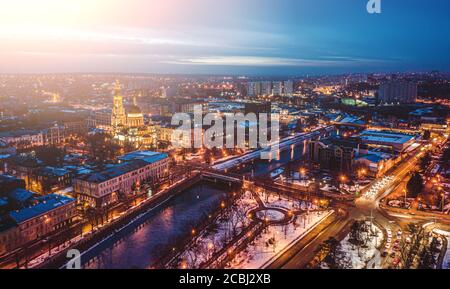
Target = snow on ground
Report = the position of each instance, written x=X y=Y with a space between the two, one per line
x=297 y=182
x=363 y=255
x=271 y=243
x=276 y=240
x=446 y=261
x=275 y=201
x=270 y=215
x=41 y=258
x=210 y=241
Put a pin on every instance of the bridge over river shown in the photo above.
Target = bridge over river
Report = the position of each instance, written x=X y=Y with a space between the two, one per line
x=284 y=144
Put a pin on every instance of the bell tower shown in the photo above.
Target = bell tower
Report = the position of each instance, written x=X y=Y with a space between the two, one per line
x=118 y=112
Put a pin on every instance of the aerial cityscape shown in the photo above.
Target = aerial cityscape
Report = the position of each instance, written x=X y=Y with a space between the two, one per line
x=224 y=135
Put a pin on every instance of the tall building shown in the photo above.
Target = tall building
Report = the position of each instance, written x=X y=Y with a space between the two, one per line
x=277 y=88
x=266 y=88
x=288 y=87
x=253 y=89
x=119 y=117
x=397 y=92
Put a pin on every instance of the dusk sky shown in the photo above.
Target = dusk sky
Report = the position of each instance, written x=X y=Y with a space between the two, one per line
x=276 y=37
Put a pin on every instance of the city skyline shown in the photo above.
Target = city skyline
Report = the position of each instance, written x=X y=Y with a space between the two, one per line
x=199 y=134
x=255 y=37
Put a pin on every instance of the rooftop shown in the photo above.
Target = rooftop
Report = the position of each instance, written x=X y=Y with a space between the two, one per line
x=384 y=136
x=44 y=205
x=113 y=171
x=18 y=133
x=51 y=171
x=147 y=156
x=130 y=162
x=20 y=195
x=376 y=157
x=3 y=202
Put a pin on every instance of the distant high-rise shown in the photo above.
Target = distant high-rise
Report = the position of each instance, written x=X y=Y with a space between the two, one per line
x=397 y=92
x=266 y=88
x=288 y=87
x=277 y=88
x=253 y=89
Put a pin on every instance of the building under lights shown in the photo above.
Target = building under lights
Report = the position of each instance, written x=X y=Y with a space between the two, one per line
x=128 y=124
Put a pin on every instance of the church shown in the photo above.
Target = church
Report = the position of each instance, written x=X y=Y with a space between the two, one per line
x=128 y=124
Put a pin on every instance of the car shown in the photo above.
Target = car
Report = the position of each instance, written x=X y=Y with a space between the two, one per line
x=408 y=240
x=388 y=245
x=393 y=254
x=389 y=240
x=397 y=242
x=384 y=254
x=399 y=233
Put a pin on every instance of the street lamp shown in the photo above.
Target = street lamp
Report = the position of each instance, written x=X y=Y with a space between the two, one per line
x=362 y=173
x=302 y=171
x=343 y=180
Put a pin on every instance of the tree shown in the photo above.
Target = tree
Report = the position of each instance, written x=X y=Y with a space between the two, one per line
x=298 y=126
x=102 y=147
x=51 y=155
x=425 y=161
x=415 y=185
x=428 y=255
x=92 y=217
x=408 y=252
x=355 y=234
x=427 y=135
x=336 y=258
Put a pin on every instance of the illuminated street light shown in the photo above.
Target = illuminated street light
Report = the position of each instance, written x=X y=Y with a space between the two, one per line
x=302 y=171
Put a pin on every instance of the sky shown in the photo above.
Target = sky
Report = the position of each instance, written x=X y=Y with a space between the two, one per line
x=261 y=37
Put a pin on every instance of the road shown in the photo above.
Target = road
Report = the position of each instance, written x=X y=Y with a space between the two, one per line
x=304 y=251
x=299 y=255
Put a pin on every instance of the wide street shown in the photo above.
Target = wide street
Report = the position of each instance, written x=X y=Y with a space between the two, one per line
x=299 y=255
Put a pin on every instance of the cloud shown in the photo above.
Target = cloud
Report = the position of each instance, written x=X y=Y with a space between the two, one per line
x=262 y=61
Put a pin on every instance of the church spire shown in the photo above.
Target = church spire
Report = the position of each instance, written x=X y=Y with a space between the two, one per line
x=117 y=88
x=118 y=112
